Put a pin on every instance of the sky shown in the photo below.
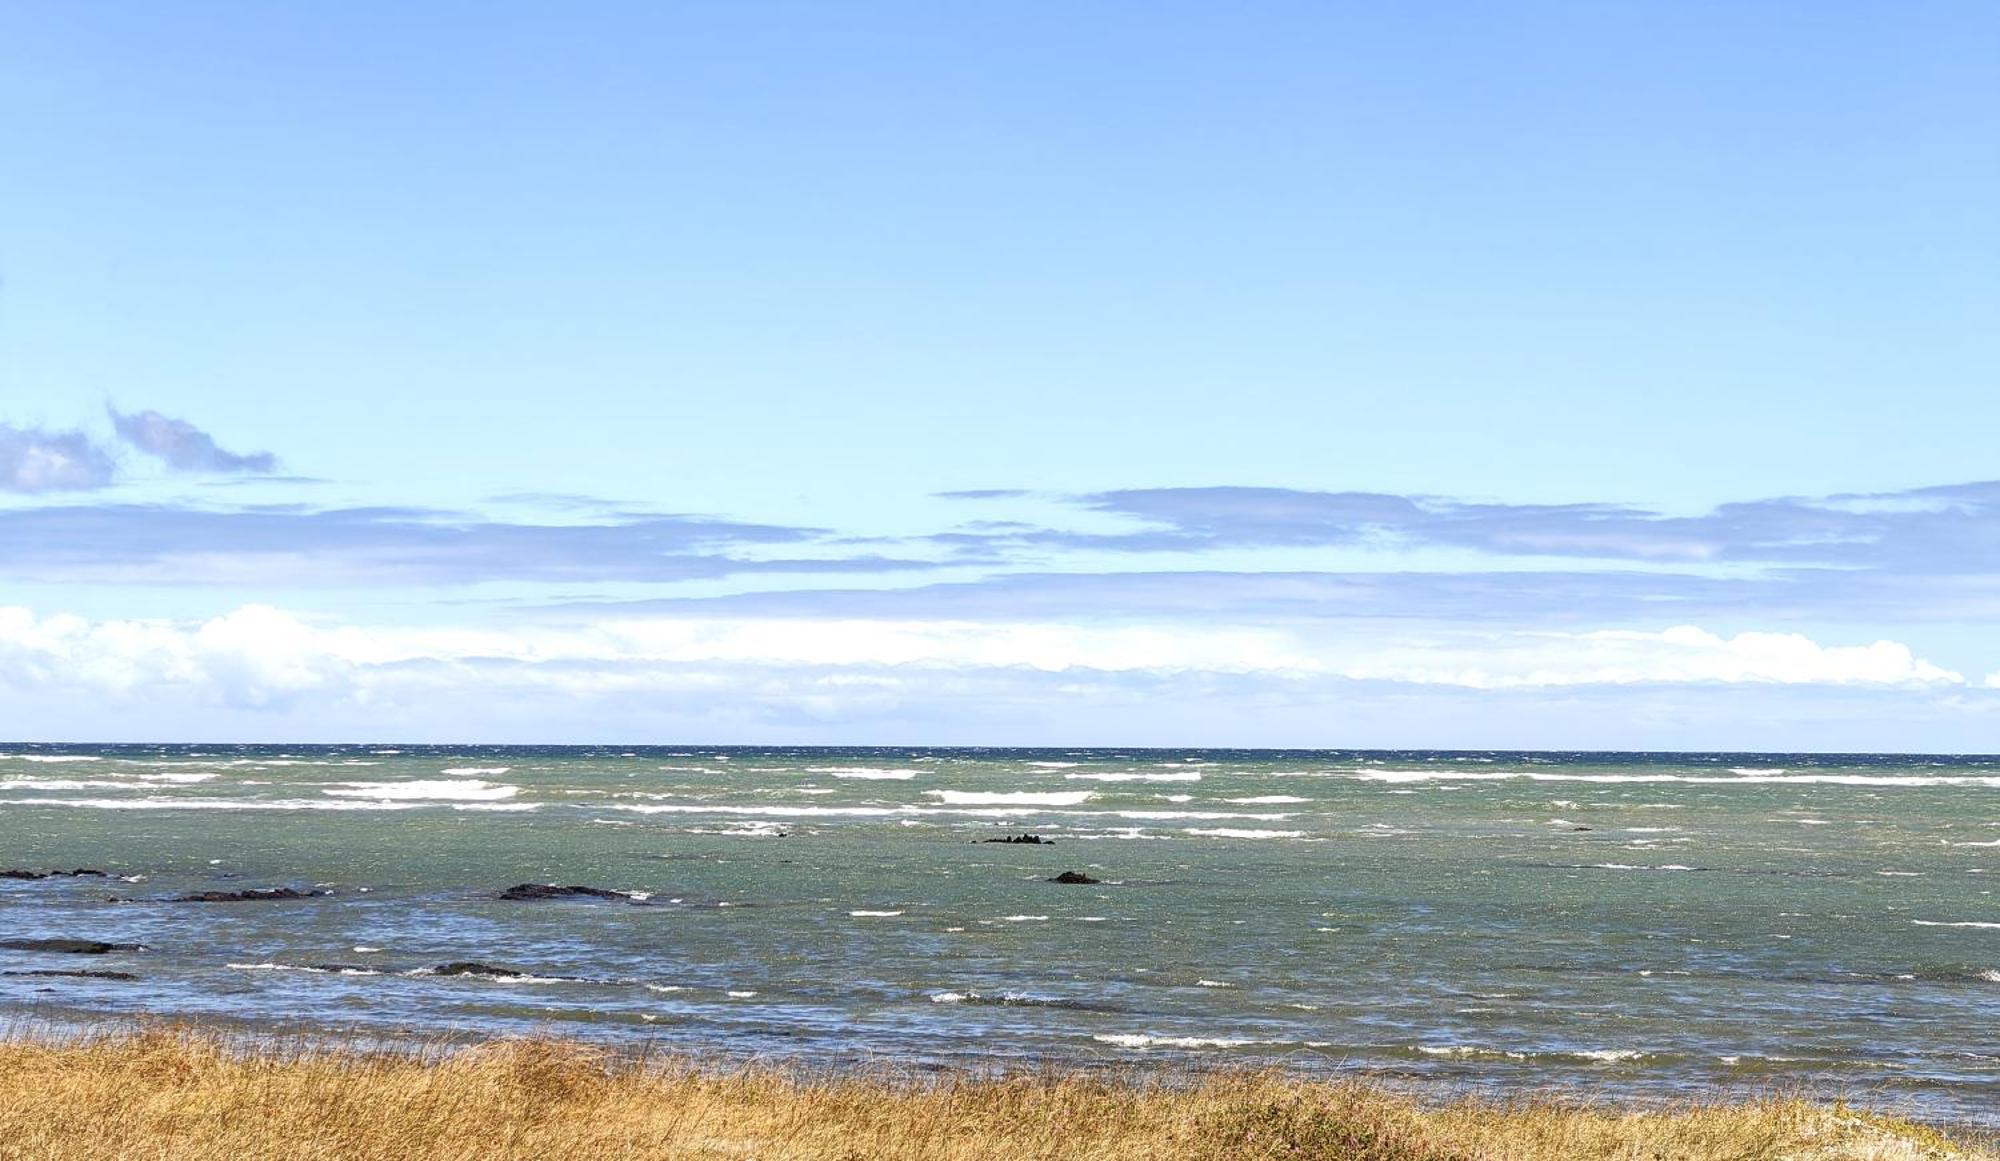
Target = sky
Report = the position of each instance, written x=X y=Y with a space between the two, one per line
x=1320 y=375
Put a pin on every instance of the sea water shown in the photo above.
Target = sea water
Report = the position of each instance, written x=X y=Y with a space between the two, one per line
x=1644 y=925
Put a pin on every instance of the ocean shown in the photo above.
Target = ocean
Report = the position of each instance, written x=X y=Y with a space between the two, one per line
x=1633 y=925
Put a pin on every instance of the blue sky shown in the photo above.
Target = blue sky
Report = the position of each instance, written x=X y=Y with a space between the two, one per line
x=1475 y=375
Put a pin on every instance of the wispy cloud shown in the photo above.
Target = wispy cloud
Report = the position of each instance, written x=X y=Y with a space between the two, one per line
x=1949 y=529
x=184 y=447
x=33 y=459
x=286 y=546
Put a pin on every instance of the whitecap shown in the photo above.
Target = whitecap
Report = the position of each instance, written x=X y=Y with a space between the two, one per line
x=1143 y=1040
x=1467 y=1051
x=1200 y=815
x=740 y=995
x=874 y=914
x=475 y=771
x=1212 y=984
x=1015 y=798
x=472 y=790
x=277 y=804
x=1179 y=776
x=286 y=967
x=1606 y=1055
x=874 y=773
x=1024 y=919
x=1957 y=923
x=1266 y=800
x=1229 y=832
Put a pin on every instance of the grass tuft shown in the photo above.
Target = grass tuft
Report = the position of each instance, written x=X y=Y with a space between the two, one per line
x=175 y=1094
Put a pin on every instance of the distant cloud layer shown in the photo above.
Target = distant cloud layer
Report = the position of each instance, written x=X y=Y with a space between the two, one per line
x=184 y=447
x=259 y=655
x=290 y=547
x=1949 y=529
x=35 y=460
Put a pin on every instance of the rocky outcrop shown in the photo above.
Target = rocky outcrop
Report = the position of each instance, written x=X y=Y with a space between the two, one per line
x=69 y=946
x=1074 y=877
x=473 y=968
x=81 y=973
x=521 y=892
x=1031 y=840
x=252 y=895
x=37 y=876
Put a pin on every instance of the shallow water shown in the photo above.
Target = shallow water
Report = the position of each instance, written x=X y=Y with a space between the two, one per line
x=1639 y=925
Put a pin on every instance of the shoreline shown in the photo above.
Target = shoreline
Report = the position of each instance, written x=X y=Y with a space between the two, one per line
x=186 y=1090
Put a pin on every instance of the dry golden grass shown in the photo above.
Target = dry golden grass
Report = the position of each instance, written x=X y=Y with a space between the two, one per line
x=189 y=1094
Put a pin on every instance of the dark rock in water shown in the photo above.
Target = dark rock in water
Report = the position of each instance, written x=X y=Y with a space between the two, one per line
x=1578 y=828
x=527 y=891
x=253 y=895
x=344 y=968
x=471 y=968
x=84 y=973
x=69 y=946
x=1074 y=877
x=36 y=876
x=1032 y=840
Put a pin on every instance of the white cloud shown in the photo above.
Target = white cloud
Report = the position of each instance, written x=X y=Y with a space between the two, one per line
x=261 y=657
x=1679 y=655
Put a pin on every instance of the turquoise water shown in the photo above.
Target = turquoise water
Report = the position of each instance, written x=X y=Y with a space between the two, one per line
x=1634 y=924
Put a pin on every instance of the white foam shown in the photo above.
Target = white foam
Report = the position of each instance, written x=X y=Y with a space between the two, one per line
x=1052 y=765
x=1024 y=919
x=1233 y=833
x=1143 y=1040
x=1909 y=780
x=1606 y=1055
x=286 y=967
x=53 y=759
x=1178 y=776
x=1212 y=984
x=476 y=771
x=780 y=811
x=66 y=784
x=873 y=773
x=1266 y=800
x=1015 y=798
x=1633 y=867
x=471 y=790
x=874 y=914
x=277 y=804
x=1467 y=1051
x=1958 y=923
x=1200 y=815
x=665 y=988
x=740 y=995
x=743 y=830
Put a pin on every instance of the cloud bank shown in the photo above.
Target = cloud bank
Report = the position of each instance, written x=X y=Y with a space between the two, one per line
x=258 y=655
x=1936 y=530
